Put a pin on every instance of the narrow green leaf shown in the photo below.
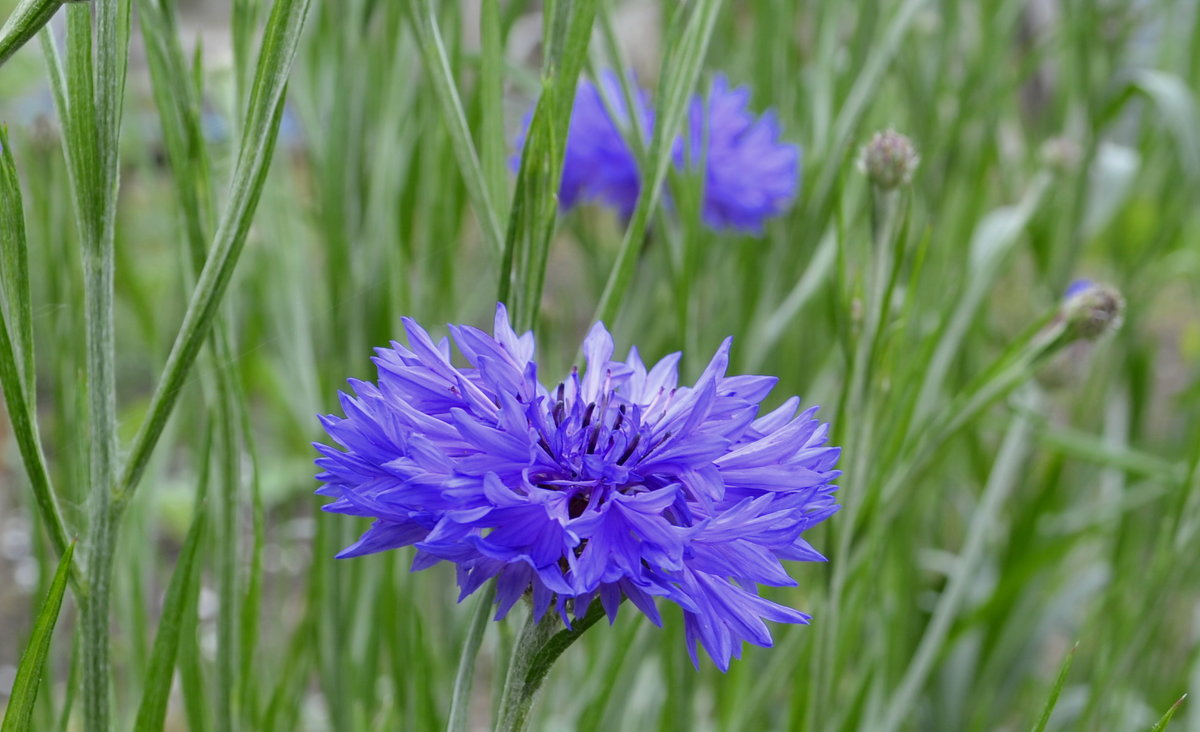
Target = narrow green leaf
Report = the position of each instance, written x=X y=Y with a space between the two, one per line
x=1161 y=724
x=14 y=266
x=19 y=713
x=1055 y=690
x=492 y=143
x=282 y=36
x=248 y=626
x=994 y=238
x=27 y=19
x=680 y=72
x=423 y=19
x=153 y=711
x=1179 y=111
x=527 y=246
x=465 y=676
x=16 y=352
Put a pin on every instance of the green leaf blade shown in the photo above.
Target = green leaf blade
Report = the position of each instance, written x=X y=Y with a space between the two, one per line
x=29 y=672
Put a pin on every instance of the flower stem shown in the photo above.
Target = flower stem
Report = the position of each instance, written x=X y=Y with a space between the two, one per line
x=540 y=643
x=460 y=705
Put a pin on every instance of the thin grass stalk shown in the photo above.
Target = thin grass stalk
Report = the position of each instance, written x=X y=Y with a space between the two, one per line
x=264 y=112
x=888 y=211
x=465 y=676
x=680 y=72
x=1009 y=465
x=94 y=88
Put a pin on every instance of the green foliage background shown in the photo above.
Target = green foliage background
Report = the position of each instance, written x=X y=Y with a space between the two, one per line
x=1002 y=505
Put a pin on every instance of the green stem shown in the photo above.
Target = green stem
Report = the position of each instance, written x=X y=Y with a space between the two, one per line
x=95 y=609
x=463 y=679
x=1008 y=467
x=540 y=643
x=886 y=214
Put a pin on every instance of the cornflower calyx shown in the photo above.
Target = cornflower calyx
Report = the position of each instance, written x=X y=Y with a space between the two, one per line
x=1092 y=309
x=889 y=160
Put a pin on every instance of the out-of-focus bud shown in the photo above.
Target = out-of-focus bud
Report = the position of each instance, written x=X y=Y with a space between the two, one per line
x=1091 y=310
x=889 y=160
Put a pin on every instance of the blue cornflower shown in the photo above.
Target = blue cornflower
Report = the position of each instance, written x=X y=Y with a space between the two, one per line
x=615 y=483
x=598 y=162
x=749 y=174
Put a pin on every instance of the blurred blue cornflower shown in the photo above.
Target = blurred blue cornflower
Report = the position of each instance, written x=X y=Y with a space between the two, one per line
x=617 y=483
x=749 y=174
x=598 y=162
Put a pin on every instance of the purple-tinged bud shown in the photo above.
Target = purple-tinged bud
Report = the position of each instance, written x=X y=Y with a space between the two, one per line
x=1091 y=309
x=889 y=160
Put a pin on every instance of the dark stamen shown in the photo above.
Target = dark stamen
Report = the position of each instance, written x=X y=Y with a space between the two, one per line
x=629 y=450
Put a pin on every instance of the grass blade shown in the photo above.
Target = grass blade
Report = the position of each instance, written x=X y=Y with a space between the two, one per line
x=16 y=351
x=535 y=204
x=19 y=714
x=1161 y=724
x=153 y=711
x=680 y=71
x=1052 y=701
x=282 y=37
x=465 y=676
x=423 y=19
x=26 y=20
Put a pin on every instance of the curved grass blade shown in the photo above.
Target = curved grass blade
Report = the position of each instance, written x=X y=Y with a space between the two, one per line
x=1052 y=701
x=33 y=660
x=465 y=676
x=422 y=17
x=280 y=41
x=16 y=351
x=1161 y=724
x=153 y=711
x=26 y=20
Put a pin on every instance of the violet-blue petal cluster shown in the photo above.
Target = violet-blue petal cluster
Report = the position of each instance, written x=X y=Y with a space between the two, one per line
x=617 y=483
x=749 y=174
x=599 y=164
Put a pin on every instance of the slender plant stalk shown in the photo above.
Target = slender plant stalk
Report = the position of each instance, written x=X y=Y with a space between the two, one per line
x=95 y=90
x=680 y=72
x=460 y=705
x=1009 y=466
x=887 y=211
x=539 y=644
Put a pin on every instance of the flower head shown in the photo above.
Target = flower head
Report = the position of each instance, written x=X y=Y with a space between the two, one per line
x=749 y=174
x=598 y=162
x=889 y=160
x=1092 y=309
x=615 y=483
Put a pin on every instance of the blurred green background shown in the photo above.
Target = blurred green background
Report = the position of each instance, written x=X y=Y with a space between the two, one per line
x=1058 y=139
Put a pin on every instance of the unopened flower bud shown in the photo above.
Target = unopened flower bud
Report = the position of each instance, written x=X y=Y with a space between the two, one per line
x=1091 y=309
x=889 y=160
